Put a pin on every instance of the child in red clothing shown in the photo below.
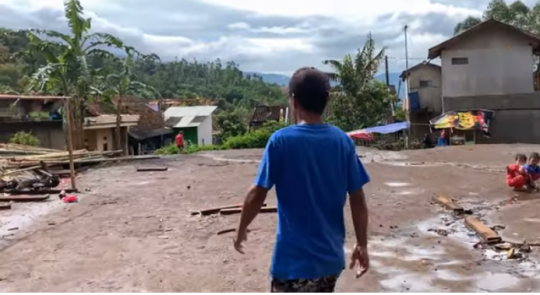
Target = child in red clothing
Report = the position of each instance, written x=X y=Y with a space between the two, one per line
x=516 y=175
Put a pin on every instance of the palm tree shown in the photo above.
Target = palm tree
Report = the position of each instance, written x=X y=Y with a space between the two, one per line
x=67 y=70
x=119 y=85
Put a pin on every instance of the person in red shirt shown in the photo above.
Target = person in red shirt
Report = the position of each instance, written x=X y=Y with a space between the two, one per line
x=180 y=141
x=516 y=175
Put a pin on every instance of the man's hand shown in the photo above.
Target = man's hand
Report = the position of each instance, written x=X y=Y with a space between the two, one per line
x=241 y=237
x=360 y=260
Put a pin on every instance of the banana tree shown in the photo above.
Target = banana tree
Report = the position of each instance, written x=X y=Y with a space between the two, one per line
x=117 y=86
x=353 y=73
x=359 y=100
x=67 y=70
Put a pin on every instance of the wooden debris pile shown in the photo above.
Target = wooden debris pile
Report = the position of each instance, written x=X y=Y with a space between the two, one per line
x=27 y=171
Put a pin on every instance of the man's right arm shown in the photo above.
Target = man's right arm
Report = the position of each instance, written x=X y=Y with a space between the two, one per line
x=356 y=179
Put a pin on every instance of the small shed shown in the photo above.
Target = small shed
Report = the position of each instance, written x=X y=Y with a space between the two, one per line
x=194 y=121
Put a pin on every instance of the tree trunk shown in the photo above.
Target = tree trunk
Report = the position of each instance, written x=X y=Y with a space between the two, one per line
x=77 y=111
x=119 y=145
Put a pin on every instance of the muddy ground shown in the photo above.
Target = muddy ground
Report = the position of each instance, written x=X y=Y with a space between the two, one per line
x=132 y=232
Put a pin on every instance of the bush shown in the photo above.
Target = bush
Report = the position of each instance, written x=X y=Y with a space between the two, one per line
x=190 y=148
x=170 y=149
x=249 y=140
x=253 y=139
x=193 y=148
x=25 y=138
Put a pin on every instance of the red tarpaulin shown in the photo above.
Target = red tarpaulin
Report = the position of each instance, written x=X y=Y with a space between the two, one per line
x=360 y=134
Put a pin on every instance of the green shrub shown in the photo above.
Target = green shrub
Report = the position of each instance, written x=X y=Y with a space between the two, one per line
x=193 y=148
x=25 y=138
x=170 y=149
x=253 y=139
x=190 y=148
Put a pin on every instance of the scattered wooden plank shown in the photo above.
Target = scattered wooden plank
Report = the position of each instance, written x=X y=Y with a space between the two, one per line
x=225 y=231
x=230 y=230
x=23 y=198
x=216 y=210
x=37 y=192
x=486 y=233
x=5 y=206
x=149 y=169
x=448 y=204
x=239 y=210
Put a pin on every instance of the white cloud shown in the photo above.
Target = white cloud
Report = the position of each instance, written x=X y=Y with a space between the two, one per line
x=267 y=36
x=348 y=9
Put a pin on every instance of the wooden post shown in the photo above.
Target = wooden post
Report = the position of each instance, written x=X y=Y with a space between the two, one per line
x=70 y=143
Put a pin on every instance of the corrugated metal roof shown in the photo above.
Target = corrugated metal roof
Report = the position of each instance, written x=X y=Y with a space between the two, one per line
x=187 y=116
x=190 y=111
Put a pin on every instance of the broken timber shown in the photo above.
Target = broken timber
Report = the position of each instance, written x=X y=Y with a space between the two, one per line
x=37 y=192
x=216 y=210
x=229 y=230
x=239 y=210
x=23 y=198
x=148 y=169
x=448 y=204
x=486 y=233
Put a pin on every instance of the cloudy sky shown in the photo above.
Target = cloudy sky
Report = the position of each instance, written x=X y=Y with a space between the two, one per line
x=275 y=36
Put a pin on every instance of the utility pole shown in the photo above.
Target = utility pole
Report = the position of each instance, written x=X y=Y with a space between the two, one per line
x=408 y=110
x=392 y=101
x=386 y=70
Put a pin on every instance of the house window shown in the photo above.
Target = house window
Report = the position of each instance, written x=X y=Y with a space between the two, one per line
x=425 y=83
x=460 y=60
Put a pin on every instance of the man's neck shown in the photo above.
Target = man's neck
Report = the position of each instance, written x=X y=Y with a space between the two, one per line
x=310 y=119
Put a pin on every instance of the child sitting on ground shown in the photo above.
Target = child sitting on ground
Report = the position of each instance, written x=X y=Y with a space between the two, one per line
x=516 y=175
x=533 y=170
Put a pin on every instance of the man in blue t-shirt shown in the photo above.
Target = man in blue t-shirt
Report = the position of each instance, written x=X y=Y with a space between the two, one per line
x=313 y=166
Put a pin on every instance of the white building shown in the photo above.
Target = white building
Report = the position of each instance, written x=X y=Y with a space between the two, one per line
x=195 y=122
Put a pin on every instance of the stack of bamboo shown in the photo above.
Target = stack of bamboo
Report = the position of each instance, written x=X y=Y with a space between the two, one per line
x=19 y=158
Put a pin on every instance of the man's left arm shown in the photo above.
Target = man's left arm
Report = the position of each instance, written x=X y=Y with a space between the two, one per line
x=259 y=190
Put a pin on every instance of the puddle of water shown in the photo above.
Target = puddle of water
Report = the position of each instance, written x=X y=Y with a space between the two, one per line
x=397 y=184
x=408 y=282
x=23 y=215
x=412 y=164
x=497 y=281
x=449 y=275
x=409 y=192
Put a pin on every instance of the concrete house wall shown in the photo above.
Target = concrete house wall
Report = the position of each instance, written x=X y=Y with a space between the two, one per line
x=426 y=79
x=205 y=132
x=495 y=60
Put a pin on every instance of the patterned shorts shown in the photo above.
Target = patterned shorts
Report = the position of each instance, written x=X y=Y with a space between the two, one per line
x=319 y=285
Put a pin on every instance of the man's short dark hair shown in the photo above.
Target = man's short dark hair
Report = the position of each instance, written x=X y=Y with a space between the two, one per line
x=521 y=157
x=534 y=156
x=310 y=88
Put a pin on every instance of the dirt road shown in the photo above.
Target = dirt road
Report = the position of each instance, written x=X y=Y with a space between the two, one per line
x=132 y=232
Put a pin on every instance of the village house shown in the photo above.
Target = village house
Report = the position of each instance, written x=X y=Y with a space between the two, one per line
x=150 y=132
x=194 y=121
x=42 y=117
x=489 y=66
x=262 y=114
x=424 y=103
x=38 y=115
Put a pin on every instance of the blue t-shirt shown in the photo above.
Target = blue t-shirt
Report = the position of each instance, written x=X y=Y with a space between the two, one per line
x=532 y=169
x=313 y=167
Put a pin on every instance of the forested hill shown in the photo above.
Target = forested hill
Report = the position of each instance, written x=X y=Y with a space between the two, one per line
x=175 y=79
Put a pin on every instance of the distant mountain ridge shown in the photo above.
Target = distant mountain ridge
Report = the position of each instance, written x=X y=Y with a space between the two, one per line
x=283 y=80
